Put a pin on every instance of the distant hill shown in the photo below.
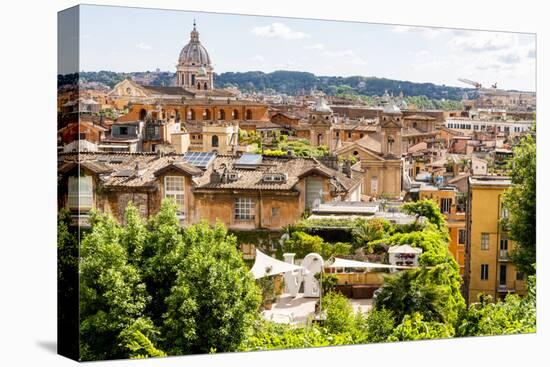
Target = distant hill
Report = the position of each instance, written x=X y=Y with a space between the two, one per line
x=289 y=82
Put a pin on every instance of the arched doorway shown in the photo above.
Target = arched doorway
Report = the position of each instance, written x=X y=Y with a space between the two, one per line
x=235 y=115
x=221 y=115
x=191 y=114
x=248 y=114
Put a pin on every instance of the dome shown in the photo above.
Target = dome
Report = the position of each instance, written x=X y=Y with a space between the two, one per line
x=194 y=53
x=391 y=108
x=321 y=106
x=202 y=71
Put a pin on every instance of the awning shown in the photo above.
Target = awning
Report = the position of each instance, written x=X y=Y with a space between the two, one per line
x=265 y=266
x=344 y=263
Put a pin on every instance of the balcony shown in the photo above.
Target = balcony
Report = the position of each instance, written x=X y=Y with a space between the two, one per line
x=503 y=255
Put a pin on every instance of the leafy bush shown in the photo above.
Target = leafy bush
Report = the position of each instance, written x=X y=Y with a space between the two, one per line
x=414 y=327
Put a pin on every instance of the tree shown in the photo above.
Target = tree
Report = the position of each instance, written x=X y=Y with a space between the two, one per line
x=214 y=298
x=379 y=325
x=366 y=231
x=520 y=200
x=426 y=208
x=339 y=313
x=406 y=293
x=112 y=295
x=512 y=316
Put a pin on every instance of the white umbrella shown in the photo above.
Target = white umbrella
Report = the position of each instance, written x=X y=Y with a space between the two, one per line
x=345 y=263
x=265 y=266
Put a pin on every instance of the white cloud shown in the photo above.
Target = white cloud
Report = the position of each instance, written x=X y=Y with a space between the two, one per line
x=279 y=30
x=426 y=32
x=345 y=56
x=476 y=41
x=143 y=46
x=317 y=46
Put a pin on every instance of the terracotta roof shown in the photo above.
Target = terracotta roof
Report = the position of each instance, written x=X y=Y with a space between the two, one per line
x=419 y=117
x=120 y=168
x=171 y=91
x=252 y=179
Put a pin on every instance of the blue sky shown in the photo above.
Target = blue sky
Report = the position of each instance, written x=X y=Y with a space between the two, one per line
x=134 y=39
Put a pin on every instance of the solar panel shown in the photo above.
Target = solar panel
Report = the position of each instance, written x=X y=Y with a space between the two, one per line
x=199 y=159
x=249 y=160
x=124 y=173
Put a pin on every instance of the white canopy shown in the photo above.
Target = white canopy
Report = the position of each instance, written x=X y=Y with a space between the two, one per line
x=344 y=263
x=265 y=266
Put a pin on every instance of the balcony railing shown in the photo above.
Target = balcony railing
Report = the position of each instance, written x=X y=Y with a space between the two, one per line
x=503 y=255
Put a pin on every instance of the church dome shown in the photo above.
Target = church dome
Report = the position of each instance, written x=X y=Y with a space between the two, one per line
x=194 y=53
x=321 y=106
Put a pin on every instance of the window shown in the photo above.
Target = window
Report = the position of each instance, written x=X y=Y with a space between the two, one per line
x=504 y=244
x=274 y=212
x=82 y=136
x=80 y=193
x=503 y=211
x=122 y=130
x=349 y=135
x=215 y=141
x=484 y=271
x=374 y=185
x=485 y=241
x=244 y=209
x=520 y=275
x=174 y=189
x=446 y=205
x=461 y=236
x=248 y=114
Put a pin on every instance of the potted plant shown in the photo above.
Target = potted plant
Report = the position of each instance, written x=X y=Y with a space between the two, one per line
x=267 y=288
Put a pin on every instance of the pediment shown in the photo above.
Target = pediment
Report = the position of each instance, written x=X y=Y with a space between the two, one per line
x=363 y=152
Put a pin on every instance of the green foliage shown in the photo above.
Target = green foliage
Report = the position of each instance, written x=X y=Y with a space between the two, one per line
x=267 y=288
x=112 y=294
x=300 y=148
x=379 y=324
x=434 y=288
x=366 y=231
x=514 y=315
x=214 y=298
x=265 y=335
x=426 y=208
x=520 y=199
x=424 y=103
x=302 y=243
x=414 y=327
x=329 y=281
x=339 y=313
x=141 y=347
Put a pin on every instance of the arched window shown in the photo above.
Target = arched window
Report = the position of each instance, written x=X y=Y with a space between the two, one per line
x=205 y=86
x=221 y=115
x=361 y=135
x=215 y=141
x=319 y=139
x=199 y=86
x=235 y=115
x=206 y=115
x=191 y=114
x=192 y=79
x=142 y=114
x=248 y=114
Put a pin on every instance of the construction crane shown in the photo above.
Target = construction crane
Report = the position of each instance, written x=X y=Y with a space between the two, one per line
x=471 y=82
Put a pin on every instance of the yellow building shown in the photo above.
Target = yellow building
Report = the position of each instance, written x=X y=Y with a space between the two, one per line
x=488 y=269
